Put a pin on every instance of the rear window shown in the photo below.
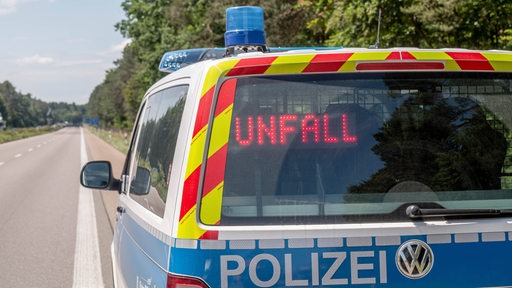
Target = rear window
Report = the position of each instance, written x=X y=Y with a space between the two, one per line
x=361 y=147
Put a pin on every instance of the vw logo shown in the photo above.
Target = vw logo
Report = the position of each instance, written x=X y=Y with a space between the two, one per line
x=414 y=259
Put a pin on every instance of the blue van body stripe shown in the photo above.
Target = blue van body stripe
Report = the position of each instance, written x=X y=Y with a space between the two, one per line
x=463 y=261
x=460 y=260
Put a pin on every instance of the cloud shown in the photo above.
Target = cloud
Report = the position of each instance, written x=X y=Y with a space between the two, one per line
x=8 y=6
x=37 y=59
x=118 y=48
x=75 y=63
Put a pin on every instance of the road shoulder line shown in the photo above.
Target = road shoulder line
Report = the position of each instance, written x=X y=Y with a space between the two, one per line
x=87 y=267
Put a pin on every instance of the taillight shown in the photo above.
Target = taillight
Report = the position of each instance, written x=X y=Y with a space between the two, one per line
x=411 y=65
x=175 y=281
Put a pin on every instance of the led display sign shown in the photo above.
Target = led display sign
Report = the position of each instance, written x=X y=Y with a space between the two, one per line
x=282 y=130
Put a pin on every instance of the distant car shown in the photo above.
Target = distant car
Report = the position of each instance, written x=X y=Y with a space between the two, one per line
x=314 y=167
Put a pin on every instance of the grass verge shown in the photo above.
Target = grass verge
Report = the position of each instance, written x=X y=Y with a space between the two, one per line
x=21 y=133
x=119 y=140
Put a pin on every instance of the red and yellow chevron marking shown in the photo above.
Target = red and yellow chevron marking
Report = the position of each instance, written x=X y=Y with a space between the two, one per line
x=316 y=62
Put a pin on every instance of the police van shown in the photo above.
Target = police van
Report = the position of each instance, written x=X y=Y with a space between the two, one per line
x=252 y=166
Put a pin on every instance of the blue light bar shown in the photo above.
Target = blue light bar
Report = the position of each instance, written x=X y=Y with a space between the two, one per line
x=244 y=26
x=174 y=60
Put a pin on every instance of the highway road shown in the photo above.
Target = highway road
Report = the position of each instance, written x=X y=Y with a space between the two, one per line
x=53 y=232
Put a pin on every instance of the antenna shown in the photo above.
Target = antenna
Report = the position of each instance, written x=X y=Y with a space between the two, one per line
x=376 y=45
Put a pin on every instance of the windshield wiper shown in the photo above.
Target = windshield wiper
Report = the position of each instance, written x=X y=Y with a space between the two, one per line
x=415 y=212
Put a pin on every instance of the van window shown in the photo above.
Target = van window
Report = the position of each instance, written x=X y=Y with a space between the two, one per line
x=359 y=147
x=152 y=159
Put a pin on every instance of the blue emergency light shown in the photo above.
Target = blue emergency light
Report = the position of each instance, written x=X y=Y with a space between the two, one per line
x=244 y=27
x=174 y=60
x=244 y=33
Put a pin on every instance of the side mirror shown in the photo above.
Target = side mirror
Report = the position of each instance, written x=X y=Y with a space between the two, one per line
x=97 y=175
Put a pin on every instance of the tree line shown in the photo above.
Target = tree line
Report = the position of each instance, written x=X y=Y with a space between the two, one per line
x=20 y=110
x=158 y=26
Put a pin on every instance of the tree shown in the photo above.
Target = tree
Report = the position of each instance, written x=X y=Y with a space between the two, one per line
x=147 y=25
x=475 y=24
x=445 y=144
x=21 y=110
x=484 y=24
x=115 y=101
x=18 y=106
x=158 y=26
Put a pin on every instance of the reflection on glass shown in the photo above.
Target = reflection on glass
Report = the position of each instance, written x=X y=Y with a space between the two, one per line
x=152 y=158
x=360 y=147
x=96 y=175
x=141 y=183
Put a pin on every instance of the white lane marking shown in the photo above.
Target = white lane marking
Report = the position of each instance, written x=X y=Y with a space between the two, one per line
x=87 y=268
x=18 y=155
x=30 y=149
x=2 y=163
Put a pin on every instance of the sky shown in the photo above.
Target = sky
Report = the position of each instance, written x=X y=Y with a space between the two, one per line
x=59 y=50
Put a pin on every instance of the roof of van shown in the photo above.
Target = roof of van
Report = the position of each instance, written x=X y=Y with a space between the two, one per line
x=336 y=60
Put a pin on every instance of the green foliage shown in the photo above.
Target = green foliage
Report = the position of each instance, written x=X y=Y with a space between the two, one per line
x=473 y=24
x=17 y=134
x=467 y=153
x=158 y=26
x=316 y=14
x=64 y=112
x=117 y=139
x=21 y=110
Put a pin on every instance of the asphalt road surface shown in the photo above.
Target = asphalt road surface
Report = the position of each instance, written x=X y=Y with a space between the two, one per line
x=54 y=233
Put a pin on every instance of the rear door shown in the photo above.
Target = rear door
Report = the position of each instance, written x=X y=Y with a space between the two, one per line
x=319 y=172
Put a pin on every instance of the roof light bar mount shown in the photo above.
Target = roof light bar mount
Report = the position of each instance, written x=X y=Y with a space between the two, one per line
x=234 y=50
